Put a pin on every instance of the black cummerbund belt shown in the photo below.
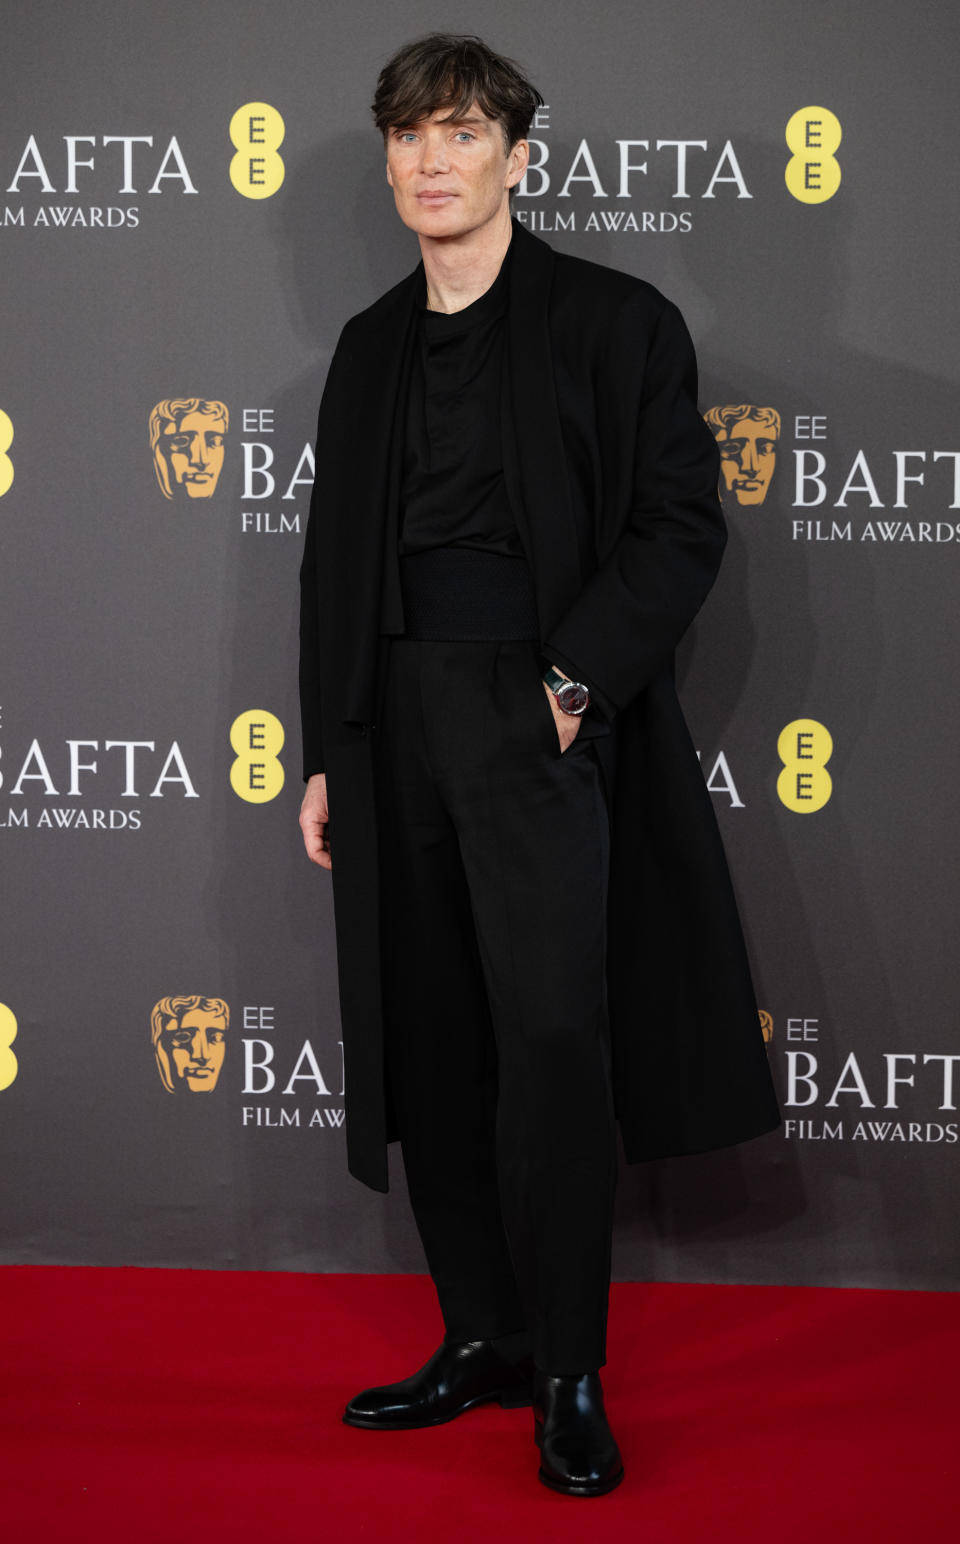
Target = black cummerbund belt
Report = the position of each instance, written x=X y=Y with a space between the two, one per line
x=460 y=593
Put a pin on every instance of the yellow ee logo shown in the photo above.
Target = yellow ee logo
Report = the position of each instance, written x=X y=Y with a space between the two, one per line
x=6 y=440
x=813 y=171
x=257 y=737
x=257 y=131
x=805 y=747
x=8 y=1034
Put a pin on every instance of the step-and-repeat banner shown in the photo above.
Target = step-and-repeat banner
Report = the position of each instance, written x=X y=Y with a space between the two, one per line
x=192 y=202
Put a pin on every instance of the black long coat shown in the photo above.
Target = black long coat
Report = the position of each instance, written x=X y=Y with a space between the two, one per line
x=613 y=475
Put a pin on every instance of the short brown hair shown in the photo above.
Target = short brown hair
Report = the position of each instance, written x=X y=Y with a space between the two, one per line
x=446 y=70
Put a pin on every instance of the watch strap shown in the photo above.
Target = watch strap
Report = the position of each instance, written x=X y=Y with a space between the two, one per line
x=554 y=679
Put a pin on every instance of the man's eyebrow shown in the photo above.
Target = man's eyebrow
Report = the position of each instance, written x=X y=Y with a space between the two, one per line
x=473 y=120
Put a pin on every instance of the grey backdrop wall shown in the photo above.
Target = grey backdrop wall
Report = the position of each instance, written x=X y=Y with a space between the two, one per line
x=148 y=734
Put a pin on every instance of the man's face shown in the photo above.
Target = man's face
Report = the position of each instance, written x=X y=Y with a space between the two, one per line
x=194 y=452
x=452 y=176
x=748 y=455
x=194 y=1050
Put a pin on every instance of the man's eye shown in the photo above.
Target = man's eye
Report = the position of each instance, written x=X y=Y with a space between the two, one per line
x=214 y=441
x=179 y=441
x=731 y=449
x=464 y=134
x=766 y=447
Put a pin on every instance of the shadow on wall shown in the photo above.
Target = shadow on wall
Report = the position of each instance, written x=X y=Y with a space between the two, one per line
x=792 y=629
x=339 y=241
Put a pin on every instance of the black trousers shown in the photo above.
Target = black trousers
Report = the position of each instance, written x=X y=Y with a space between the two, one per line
x=495 y=851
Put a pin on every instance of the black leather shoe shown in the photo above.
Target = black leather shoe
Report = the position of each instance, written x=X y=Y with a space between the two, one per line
x=577 y=1452
x=454 y=1379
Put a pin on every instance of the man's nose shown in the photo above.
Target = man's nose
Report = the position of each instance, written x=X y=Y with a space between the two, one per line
x=198 y=451
x=199 y=1049
x=433 y=157
x=748 y=460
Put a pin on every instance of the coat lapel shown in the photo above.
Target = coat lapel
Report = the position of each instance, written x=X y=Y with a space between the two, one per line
x=534 y=460
x=380 y=369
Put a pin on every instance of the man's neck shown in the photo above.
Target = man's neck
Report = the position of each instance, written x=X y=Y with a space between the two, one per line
x=461 y=269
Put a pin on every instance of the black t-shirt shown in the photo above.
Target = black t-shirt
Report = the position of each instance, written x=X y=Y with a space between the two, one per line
x=452 y=491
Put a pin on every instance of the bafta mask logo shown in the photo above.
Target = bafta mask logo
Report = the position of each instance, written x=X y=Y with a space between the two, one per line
x=186 y=438
x=747 y=436
x=189 y=1041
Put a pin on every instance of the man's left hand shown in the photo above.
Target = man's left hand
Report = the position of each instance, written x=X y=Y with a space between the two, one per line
x=568 y=724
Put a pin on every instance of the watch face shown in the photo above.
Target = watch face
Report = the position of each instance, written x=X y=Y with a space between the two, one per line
x=573 y=697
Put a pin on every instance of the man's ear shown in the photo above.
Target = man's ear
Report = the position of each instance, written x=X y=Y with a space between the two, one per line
x=389 y=175
x=517 y=162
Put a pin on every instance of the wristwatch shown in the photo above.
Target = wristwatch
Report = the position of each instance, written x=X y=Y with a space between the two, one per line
x=572 y=696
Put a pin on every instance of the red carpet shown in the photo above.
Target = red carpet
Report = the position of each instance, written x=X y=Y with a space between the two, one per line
x=194 y=1405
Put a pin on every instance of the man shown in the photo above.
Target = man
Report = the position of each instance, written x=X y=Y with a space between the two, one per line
x=187 y=439
x=514 y=520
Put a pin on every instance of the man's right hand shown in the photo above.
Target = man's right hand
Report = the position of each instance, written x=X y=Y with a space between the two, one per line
x=315 y=821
